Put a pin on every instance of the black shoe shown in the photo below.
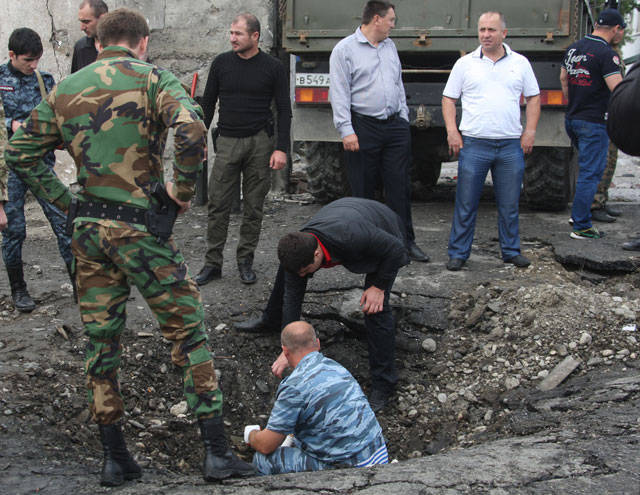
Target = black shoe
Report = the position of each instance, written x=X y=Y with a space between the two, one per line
x=118 y=464
x=21 y=299
x=601 y=215
x=633 y=245
x=612 y=211
x=255 y=325
x=247 y=275
x=207 y=274
x=219 y=462
x=416 y=254
x=519 y=261
x=455 y=264
x=378 y=400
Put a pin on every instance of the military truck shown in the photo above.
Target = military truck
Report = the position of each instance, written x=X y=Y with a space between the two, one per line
x=430 y=36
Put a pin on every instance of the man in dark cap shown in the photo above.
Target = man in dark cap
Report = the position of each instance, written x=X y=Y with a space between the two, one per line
x=590 y=70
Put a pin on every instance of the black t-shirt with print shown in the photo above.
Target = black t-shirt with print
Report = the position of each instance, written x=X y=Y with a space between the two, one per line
x=588 y=62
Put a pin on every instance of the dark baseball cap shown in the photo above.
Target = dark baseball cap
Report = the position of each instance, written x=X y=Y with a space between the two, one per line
x=611 y=17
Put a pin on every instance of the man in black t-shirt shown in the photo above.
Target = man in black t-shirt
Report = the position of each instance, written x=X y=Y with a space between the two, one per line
x=84 y=51
x=590 y=70
x=245 y=80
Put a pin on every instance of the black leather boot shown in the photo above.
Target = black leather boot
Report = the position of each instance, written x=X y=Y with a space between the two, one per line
x=118 y=463
x=219 y=461
x=21 y=298
x=72 y=277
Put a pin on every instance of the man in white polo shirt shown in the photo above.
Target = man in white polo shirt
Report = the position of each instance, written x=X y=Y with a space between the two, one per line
x=490 y=82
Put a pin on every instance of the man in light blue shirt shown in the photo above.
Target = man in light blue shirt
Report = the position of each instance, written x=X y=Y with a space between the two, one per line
x=322 y=405
x=370 y=112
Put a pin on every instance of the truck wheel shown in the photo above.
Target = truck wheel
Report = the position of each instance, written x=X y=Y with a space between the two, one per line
x=549 y=178
x=326 y=177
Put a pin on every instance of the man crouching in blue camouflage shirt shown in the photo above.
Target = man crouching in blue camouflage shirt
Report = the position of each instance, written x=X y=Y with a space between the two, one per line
x=322 y=405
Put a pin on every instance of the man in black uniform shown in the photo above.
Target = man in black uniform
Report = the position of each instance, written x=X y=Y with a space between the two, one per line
x=245 y=80
x=364 y=236
x=84 y=51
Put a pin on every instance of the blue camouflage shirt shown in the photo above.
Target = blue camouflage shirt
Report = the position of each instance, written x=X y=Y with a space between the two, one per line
x=21 y=94
x=325 y=409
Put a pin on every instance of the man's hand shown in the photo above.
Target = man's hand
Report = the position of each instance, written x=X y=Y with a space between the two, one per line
x=372 y=300
x=350 y=143
x=278 y=160
x=3 y=218
x=454 y=139
x=15 y=124
x=279 y=365
x=526 y=141
x=184 y=206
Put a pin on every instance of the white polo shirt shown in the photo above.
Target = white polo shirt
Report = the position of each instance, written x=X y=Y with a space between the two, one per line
x=491 y=93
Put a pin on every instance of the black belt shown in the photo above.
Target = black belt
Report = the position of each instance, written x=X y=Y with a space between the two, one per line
x=390 y=118
x=111 y=211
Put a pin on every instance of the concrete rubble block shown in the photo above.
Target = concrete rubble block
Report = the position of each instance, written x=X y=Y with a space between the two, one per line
x=559 y=373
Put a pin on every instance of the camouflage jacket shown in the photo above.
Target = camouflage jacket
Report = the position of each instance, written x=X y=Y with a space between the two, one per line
x=20 y=95
x=3 y=166
x=113 y=117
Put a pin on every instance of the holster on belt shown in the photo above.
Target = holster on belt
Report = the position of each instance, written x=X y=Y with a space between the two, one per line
x=163 y=213
x=71 y=215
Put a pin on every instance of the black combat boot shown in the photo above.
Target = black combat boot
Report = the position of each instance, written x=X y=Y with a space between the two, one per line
x=21 y=298
x=219 y=461
x=118 y=463
x=72 y=277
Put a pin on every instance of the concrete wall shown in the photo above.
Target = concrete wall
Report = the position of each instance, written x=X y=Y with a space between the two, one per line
x=185 y=34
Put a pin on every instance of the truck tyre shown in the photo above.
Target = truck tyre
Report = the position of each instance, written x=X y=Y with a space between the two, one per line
x=549 y=178
x=326 y=176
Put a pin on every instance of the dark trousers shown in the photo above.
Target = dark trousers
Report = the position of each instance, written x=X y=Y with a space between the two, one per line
x=384 y=157
x=285 y=306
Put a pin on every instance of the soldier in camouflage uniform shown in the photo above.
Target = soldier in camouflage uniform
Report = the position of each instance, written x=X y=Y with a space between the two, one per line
x=21 y=92
x=4 y=196
x=113 y=117
x=324 y=407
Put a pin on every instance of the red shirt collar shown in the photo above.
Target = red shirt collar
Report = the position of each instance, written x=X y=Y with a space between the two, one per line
x=327 y=261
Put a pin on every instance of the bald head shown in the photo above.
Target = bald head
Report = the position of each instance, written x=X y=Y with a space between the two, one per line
x=299 y=338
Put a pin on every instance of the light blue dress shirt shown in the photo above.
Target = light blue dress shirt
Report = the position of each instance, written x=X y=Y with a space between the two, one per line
x=366 y=79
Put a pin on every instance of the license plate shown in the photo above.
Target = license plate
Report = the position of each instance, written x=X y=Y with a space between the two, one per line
x=312 y=80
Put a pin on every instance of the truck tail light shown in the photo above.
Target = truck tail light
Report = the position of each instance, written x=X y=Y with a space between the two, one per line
x=312 y=95
x=549 y=98
x=552 y=97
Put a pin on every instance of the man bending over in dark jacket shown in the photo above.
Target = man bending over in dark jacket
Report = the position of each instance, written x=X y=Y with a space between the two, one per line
x=364 y=236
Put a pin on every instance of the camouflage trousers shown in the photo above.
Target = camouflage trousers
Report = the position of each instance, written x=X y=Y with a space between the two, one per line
x=14 y=235
x=108 y=257
x=602 y=194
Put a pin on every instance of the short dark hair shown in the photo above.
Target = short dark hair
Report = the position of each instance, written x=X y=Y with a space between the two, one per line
x=296 y=250
x=374 y=8
x=122 y=25
x=98 y=7
x=252 y=22
x=25 y=41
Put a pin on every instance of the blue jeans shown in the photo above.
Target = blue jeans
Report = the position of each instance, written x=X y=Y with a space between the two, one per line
x=592 y=143
x=505 y=159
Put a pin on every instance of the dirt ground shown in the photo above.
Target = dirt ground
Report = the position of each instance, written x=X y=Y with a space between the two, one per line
x=465 y=340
